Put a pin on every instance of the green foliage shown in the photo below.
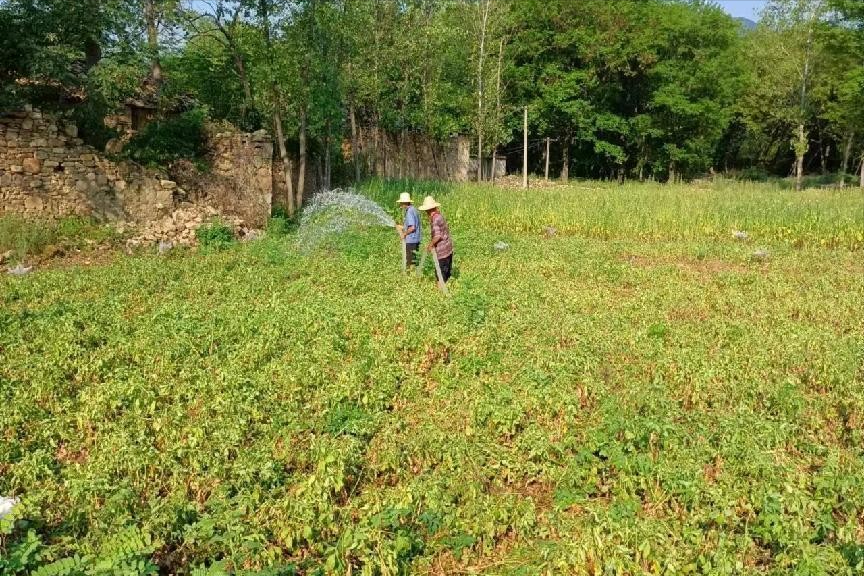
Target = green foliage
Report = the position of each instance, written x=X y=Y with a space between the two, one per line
x=645 y=88
x=20 y=556
x=206 y=70
x=281 y=223
x=127 y=553
x=54 y=46
x=635 y=392
x=215 y=235
x=89 y=117
x=173 y=138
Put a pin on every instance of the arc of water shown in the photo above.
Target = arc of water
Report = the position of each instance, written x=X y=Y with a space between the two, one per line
x=335 y=211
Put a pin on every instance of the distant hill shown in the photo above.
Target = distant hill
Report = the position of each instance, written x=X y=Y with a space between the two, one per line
x=746 y=23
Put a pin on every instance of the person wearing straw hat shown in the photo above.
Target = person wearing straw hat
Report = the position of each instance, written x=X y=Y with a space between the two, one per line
x=410 y=231
x=442 y=242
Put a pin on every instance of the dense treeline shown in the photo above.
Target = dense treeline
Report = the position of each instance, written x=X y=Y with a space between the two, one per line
x=652 y=89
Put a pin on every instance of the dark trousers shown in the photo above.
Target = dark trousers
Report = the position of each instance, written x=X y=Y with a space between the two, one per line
x=411 y=249
x=446 y=265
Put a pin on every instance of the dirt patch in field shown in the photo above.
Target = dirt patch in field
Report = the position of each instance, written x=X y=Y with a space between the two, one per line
x=446 y=563
x=686 y=264
x=688 y=314
x=59 y=257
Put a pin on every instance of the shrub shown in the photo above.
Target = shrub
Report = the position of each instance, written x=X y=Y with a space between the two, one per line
x=216 y=235
x=89 y=117
x=754 y=174
x=281 y=222
x=277 y=226
x=175 y=138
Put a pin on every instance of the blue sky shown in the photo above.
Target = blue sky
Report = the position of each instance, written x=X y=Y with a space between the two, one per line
x=746 y=8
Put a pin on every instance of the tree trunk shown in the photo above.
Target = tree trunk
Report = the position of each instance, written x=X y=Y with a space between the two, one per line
x=244 y=80
x=301 y=171
x=239 y=64
x=276 y=103
x=385 y=149
x=565 y=159
x=484 y=22
x=403 y=158
x=847 y=153
x=150 y=17
x=525 y=151
x=286 y=163
x=824 y=153
x=327 y=160
x=800 y=150
x=355 y=153
x=801 y=145
x=546 y=172
x=435 y=172
x=480 y=156
x=861 y=182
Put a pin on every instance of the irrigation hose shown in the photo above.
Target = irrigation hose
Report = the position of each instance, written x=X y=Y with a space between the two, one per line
x=441 y=284
x=422 y=263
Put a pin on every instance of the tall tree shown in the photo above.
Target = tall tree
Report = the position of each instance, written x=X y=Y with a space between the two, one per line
x=789 y=52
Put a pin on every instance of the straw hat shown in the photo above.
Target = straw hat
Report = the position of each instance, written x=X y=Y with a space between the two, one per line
x=429 y=203
x=404 y=198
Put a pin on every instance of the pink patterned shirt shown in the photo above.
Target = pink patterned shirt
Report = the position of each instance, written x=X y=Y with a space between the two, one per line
x=441 y=230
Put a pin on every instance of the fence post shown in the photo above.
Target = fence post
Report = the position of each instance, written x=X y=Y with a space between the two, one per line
x=547 y=158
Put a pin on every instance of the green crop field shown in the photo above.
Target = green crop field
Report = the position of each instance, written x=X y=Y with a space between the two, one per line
x=635 y=392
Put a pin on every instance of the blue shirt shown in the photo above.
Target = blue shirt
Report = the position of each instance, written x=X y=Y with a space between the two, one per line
x=412 y=218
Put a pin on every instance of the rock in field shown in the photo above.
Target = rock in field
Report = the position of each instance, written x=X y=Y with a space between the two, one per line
x=7 y=505
x=20 y=270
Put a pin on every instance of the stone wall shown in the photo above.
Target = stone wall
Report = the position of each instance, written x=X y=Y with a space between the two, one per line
x=240 y=180
x=47 y=171
x=411 y=155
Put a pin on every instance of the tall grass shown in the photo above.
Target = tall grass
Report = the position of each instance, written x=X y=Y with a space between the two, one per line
x=31 y=237
x=649 y=211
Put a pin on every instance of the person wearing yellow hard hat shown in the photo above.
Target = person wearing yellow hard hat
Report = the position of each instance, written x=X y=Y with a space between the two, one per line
x=441 y=242
x=410 y=230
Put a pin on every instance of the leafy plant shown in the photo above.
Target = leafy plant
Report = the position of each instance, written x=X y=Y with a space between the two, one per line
x=632 y=395
x=164 y=141
x=215 y=235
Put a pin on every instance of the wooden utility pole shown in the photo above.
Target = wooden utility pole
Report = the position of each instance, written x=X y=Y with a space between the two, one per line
x=483 y=25
x=525 y=153
x=497 y=110
x=547 y=158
